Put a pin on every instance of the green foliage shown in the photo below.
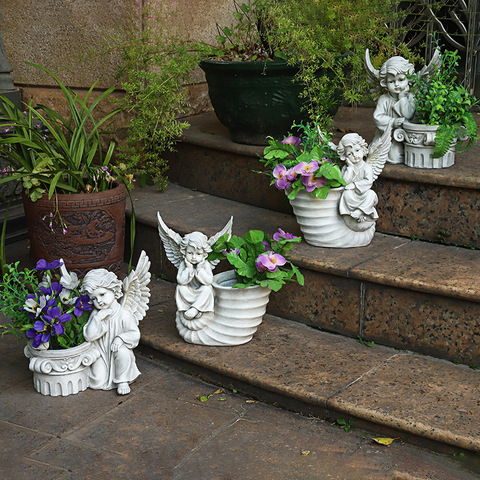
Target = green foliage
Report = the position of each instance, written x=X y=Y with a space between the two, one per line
x=328 y=41
x=245 y=255
x=14 y=288
x=314 y=148
x=325 y=39
x=53 y=154
x=345 y=425
x=153 y=75
x=440 y=100
x=17 y=285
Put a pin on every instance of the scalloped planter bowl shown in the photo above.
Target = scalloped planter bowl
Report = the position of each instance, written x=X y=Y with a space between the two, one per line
x=237 y=314
x=61 y=372
x=419 y=145
x=323 y=226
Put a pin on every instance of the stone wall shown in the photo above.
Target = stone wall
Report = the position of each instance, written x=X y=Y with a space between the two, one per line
x=59 y=34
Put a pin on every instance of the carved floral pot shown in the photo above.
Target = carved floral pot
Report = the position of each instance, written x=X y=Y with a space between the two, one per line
x=323 y=226
x=95 y=229
x=419 y=145
x=61 y=372
x=237 y=314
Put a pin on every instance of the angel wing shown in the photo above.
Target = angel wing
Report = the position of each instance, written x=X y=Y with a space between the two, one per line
x=171 y=242
x=136 y=293
x=373 y=76
x=434 y=64
x=378 y=151
x=212 y=240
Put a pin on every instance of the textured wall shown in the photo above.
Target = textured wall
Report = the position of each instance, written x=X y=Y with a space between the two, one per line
x=58 y=33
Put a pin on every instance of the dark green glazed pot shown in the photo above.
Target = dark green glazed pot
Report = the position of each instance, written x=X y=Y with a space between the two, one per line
x=254 y=99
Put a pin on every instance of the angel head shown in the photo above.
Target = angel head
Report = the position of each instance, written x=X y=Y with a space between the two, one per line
x=352 y=148
x=195 y=247
x=393 y=74
x=103 y=287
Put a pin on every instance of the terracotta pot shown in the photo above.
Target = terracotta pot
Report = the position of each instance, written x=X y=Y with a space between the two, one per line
x=95 y=229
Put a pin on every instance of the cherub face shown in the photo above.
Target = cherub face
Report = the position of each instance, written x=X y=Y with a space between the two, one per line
x=354 y=154
x=397 y=83
x=102 y=298
x=193 y=255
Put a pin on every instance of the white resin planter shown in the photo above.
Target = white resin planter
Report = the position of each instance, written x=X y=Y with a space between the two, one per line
x=237 y=314
x=323 y=226
x=61 y=372
x=419 y=143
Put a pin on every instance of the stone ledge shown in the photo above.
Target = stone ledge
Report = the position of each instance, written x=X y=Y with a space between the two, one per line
x=329 y=375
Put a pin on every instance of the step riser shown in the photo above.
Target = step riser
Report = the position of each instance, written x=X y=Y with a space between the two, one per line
x=424 y=323
x=405 y=208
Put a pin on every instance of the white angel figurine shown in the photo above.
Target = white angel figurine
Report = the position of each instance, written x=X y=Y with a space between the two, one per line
x=362 y=168
x=395 y=103
x=194 y=293
x=113 y=324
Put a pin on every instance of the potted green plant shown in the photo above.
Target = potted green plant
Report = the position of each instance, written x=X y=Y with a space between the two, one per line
x=226 y=309
x=74 y=197
x=260 y=265
x=308 y=54
x=44 y=305
x=334 y=206
x=443 y=115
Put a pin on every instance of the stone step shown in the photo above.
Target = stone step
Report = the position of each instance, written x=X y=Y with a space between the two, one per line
x=439 y=205
x=412 y=398
x=406 y=294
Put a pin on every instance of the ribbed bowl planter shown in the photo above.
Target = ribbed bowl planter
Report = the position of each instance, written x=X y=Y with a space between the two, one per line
x=61 y=372
x=237 y=314
x=419 y=144
x=323 y=226
x=95 y=233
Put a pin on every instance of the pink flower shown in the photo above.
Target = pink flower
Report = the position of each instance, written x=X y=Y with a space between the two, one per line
x=291 y=174
x=269 y=261
x=292 y=140
x=281 y=234
x=311 y=183
x=304 y=168
x=281 y=181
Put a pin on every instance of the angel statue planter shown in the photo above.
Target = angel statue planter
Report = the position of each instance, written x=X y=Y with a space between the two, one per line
x=113 y=324
x=194 y=294
x=395 y=102
x=346 y=217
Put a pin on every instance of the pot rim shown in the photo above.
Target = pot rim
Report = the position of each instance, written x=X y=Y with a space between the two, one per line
x=229 y=275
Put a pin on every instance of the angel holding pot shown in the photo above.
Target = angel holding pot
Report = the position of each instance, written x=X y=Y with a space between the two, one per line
x=113 y=324
x=396 y=103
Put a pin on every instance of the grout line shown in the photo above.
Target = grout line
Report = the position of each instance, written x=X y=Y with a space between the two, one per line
x=382 y=363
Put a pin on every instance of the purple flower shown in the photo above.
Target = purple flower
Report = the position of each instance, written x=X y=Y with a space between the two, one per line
x=269 y=261
x=292 y=140
x=281 y=234
x=38 y=337
x=281 y=181
x=304 y=168
x=311 y=182
x=82 y=304
x=44 y=265
x=54 y=319
x=291 y=174
x=53 y=290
